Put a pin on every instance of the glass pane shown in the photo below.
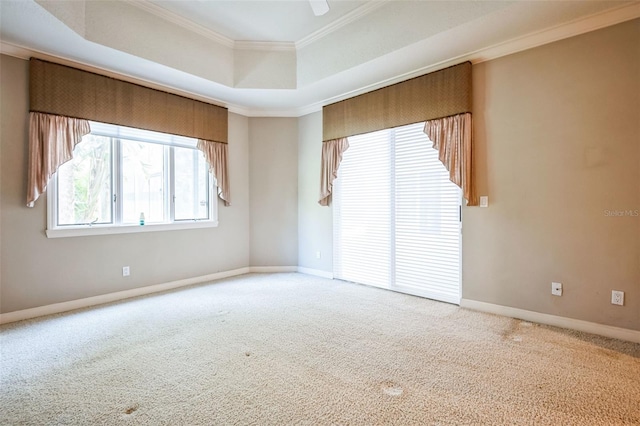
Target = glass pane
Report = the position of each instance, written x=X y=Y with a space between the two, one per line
x=143 y=182
x=85 y=184
x=362 y=200
x=427 y=221
x=191 y=185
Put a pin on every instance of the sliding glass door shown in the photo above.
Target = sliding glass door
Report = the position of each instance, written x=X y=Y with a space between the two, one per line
x=397 y=216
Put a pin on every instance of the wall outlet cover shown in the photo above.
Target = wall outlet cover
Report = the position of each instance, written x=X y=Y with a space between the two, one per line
x=617 y=297
x=556 y=289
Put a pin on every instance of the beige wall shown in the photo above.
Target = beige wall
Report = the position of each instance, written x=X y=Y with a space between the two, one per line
x=558 y=137
x=273 y=161
x=314 y=221
x=558 y=132
x=37 y=271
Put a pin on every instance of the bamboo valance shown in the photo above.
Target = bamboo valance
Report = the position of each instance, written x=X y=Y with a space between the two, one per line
x=71 y=92
x=439 y=94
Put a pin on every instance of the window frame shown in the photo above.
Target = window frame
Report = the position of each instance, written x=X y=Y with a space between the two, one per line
x=117 y=227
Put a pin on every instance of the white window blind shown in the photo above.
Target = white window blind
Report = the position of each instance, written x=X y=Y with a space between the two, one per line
x=396 y=216
x=361 y=202
x=140 y=135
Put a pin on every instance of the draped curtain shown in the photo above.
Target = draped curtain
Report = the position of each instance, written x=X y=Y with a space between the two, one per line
x=51 y=142
x=58 y=92
x=441 y=99
x=216 y=155
x=451 y=137
x=332 y=152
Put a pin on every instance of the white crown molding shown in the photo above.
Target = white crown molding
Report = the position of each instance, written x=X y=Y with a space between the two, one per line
x=553 y=320
x=310 y=109
x=167 y=15
x=573 y=28
x=317 y=106
x=22 y=52
x=240 y=110
x=273 y=113
x=579 y=26
x=558 y=32
x=346 y=19
x=548 y=35
x=15 y=51
x=284 y=46
x=26 y=53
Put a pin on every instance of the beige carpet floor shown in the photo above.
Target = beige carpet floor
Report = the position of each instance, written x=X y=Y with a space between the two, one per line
x=280 y=349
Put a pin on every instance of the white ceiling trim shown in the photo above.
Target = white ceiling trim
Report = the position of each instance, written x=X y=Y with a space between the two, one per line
x=538 y=38
x=154 y=9
x=281 y=46
x=317 y=106
x=350 y=17
x=559 y=32
x=26 y=53
x=16 y=51
x=256 y=45
x=573 y=28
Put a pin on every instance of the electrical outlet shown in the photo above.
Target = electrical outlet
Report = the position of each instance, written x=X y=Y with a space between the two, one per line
x=125 y=271
x=556 y=289
x=484 y=201
x=617 y=297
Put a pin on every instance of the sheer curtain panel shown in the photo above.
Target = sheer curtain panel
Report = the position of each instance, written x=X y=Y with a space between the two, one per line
x=442 y=99
x=61 y=91
x=332 y=152
x=451 y=137
x=216 y=155
x=51 y=142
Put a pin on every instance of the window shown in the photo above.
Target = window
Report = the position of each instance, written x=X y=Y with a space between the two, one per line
x=397 y=215
x=130 y=180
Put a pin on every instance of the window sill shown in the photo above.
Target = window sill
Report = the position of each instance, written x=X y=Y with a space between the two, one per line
x=126 y=229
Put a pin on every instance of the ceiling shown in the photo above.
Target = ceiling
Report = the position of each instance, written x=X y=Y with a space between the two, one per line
x=260 y=20
x=275 y=58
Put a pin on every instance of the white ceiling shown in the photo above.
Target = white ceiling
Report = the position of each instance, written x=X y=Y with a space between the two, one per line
x=259 y=20
x=275 y=58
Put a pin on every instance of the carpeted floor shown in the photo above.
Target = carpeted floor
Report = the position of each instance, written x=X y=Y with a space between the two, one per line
x=284 y=349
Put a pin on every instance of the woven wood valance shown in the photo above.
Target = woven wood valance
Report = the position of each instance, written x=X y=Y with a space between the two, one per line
x=70 y=92
x=436 y=95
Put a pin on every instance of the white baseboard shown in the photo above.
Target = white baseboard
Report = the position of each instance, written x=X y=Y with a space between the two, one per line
x=557 y=321
x=316 y=272
x=272 y=269
x=57 y=308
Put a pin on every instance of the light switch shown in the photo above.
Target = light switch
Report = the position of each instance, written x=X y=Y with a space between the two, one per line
x=484 y=201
